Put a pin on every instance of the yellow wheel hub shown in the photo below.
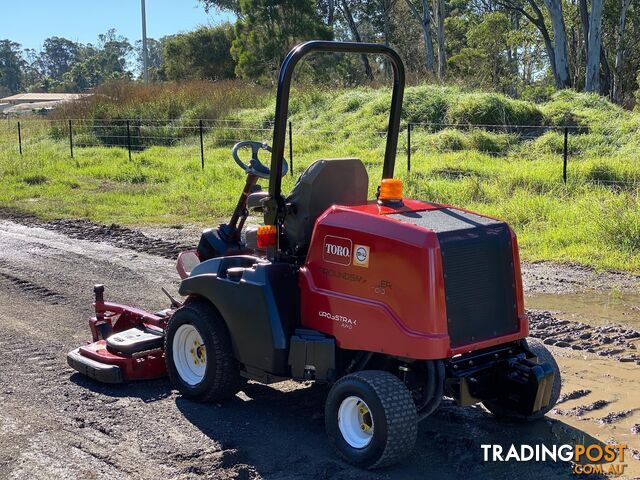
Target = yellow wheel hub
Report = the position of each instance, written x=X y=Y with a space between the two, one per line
x=198 y=352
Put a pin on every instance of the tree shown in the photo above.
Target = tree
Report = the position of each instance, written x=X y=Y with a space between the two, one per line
x=98 y=64
x=592 y=81
x=154 y=56
x=485 y=62
x=232 y=6
x=440 y=13
x=204 y=54
x=422 y=14
x=554 y=7
x=620 y=52
x=355 y=32
x=532 y=12
x=267 y=29
x=57 y=57
x=11 y=65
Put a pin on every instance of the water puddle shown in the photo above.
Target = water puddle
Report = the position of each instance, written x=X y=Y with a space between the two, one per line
x=592 y=308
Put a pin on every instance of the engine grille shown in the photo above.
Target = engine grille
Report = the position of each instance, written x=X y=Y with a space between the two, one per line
x=479 y=281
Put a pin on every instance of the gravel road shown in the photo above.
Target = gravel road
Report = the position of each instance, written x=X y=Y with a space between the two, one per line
x=56 y=424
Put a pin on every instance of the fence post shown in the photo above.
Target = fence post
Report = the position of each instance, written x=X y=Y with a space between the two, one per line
x=70 y=139
x=129 y=138
x=290 y=148
x=201 y=145
x=409 y=147
x=19 y=138
x=565 y=154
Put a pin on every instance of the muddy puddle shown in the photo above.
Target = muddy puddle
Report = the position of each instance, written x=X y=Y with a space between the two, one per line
x=595 y=337
x=593 y=308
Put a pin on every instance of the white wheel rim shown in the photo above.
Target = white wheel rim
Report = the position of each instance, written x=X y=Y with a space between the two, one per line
x=189 y=354
x=355 y=422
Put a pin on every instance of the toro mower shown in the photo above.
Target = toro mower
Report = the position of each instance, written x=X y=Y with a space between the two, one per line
x=392 y=301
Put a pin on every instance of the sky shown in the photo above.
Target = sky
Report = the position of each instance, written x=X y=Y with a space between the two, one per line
x=30 y=22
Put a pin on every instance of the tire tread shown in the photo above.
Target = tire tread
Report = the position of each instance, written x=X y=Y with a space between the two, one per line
x=225 y=381
x=400 y=414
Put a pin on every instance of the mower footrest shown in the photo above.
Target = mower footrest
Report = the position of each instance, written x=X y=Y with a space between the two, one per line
x=93 y=369
x=135 y=340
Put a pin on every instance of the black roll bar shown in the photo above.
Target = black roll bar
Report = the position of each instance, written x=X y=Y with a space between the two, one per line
x=282 y=103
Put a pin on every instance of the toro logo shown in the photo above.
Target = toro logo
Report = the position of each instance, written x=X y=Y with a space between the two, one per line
x=337 y=250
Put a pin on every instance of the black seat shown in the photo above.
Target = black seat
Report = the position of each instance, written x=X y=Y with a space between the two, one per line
x=341 y=181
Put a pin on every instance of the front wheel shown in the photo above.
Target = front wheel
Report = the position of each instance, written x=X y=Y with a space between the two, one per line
x=198 y=353
x=371 y=419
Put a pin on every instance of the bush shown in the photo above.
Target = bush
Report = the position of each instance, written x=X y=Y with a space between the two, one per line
x=426 y=104
x=488 y=142
x=619 y=223
x=183 y=103
x=448 y=140
x=492 y=109
x=609 y=175
x=537 y=93
x=164 y=101
x=568 y=107
x=549 y=142
x=352 y=100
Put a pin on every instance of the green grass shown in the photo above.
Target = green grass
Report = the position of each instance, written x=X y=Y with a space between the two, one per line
x=594 y=220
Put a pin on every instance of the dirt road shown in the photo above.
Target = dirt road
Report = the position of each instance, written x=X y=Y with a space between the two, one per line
x=56 y=424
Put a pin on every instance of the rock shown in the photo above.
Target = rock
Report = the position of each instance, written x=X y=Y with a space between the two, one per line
x=628 y=358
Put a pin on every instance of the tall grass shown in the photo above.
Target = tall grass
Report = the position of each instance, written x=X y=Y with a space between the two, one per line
x=165 y=101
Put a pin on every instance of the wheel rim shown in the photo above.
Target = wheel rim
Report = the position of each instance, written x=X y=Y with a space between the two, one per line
x=189 y=354
x=355 y=422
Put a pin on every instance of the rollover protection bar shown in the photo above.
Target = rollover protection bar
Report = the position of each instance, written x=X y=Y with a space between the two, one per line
x=276 y=206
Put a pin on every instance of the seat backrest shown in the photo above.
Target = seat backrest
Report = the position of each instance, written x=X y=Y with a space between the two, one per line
x=340 y=181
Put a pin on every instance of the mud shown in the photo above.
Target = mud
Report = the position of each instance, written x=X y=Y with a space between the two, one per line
x=55 y=423
x=113 y=234
x=615 y=416
x=551 y=278
x=614 y=341
x=580 y=410
x=565 y=397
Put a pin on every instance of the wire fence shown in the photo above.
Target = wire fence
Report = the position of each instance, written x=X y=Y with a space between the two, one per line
x=137 y=135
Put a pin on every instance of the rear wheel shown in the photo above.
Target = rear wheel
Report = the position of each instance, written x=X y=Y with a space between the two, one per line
x=371 y=419
x=198 y=353
x=498 y=409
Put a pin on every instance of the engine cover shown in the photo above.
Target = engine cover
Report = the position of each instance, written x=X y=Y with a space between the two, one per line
x=478 y=273
x=424 y=281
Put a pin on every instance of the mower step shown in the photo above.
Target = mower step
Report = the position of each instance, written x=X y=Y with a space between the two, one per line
x=135 y=340
x=93 y=369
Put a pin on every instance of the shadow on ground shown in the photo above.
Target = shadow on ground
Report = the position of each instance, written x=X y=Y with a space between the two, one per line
x=281 y=435
x=148 y=391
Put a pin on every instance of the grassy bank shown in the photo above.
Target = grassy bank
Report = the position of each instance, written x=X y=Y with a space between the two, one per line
x=594 y=220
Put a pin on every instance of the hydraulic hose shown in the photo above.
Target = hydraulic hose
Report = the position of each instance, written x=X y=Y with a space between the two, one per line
x=438 y=379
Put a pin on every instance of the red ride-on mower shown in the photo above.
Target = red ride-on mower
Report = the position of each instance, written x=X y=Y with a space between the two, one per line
x=394 y=302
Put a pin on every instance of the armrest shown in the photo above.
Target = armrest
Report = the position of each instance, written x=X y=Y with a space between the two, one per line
x=254 y=201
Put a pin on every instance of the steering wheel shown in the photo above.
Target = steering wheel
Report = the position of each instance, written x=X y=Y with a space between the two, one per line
x=255 y=166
